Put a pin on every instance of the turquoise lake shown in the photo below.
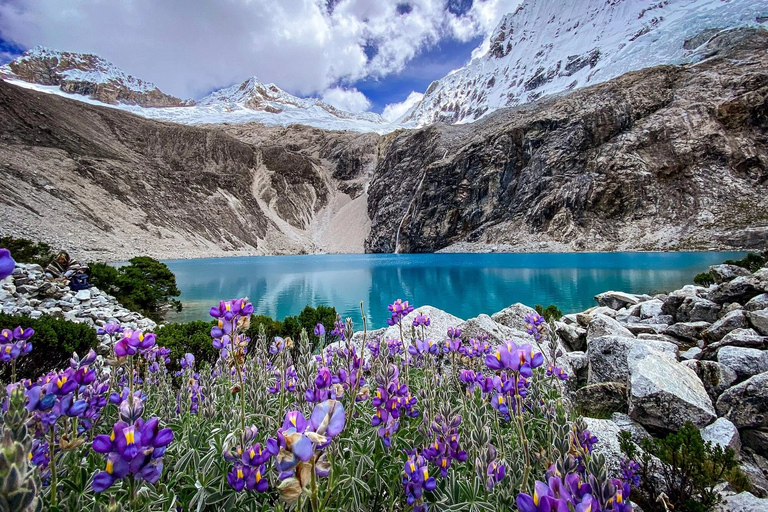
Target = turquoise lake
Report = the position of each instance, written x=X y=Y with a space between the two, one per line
x=465 y=285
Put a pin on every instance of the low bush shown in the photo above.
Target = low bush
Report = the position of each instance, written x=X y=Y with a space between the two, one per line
x=190 y=337
x=144 y=285
x=752 y=261
x=291 y=326
x=27 y=251
x=683 y=467
x=704 y=279
x=54 y=341
x=550 y=313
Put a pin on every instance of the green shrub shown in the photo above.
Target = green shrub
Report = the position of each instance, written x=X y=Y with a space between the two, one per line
x=27 y=251
x=691 y=468
x=144 y=285
x=195 y=337
x=291 y=326
x=752 y=261
x=191 y=337
x=52 y=344
x=549 y=313
x=704 y=279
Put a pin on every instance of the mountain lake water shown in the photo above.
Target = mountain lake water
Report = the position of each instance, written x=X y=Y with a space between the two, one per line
x=464 y=285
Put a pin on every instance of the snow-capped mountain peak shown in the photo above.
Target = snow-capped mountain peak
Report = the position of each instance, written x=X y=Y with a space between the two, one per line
x=548 y=46
x=85 y=74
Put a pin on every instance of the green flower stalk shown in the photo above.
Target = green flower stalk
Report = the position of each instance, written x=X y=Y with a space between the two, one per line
x=18 y=486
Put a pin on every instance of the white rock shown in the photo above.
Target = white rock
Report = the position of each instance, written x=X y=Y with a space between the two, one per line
x=83 y=295
x=602 y=325
x=724 y=433
x=742 y=502
x=746 y=362
x=759 y=321
x=650 y=308
x=439 y=321
x=513 y=316
x=665 y=394
x=497 y=333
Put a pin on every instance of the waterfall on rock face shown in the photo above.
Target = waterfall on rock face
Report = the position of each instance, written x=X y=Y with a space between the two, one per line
x=402 y=221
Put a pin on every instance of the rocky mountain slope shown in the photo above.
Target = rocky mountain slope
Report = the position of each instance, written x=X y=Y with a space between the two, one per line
x=547 y=47
x=87 y=75
x=671 y=157
x=110 y=184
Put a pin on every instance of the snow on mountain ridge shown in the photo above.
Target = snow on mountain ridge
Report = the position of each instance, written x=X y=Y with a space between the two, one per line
x=255 y=95
x=547 y=47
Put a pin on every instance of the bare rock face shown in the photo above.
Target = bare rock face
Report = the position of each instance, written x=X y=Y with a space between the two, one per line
x=723 y=433
x=732 y=321
x=664 y=158
x=724 y=272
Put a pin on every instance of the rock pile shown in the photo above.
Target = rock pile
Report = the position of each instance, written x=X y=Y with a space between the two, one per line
x=29 y=292
x=696 y=355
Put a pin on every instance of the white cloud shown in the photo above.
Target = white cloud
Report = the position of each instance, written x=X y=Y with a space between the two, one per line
x=350 y=100
x=190 y=47
x=395 y=111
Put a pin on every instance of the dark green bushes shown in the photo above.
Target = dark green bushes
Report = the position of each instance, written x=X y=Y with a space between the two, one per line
x=53 y=343
x=704 y=279
x=144 y=285
x=195 y=337
x=752 y=261
x=691 y=468
x=27 y=251
x=191 y=337
x=549 y=313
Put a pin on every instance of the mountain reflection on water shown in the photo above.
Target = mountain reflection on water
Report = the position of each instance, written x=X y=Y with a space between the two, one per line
x=464 y=285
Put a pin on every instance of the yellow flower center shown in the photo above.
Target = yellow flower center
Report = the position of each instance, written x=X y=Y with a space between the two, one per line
x=129 y=436
x=109 y=467
x=239 y=473
x=258 y=476
x=62 y=380
x=498 y=355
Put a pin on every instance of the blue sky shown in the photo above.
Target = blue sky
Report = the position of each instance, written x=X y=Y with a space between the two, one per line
x=355 y=54
x=432 y=64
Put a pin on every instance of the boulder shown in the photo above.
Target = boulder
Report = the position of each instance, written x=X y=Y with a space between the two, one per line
x=601 y=398
x=636 y=430
x=724 y=433
x=746 y=338
x=607 y=358
x=746 y=362
x=733 y=320
x=715 y=376
x=739 y=290
x=641 y=329
x=497 y=333
x=687 y=331
x=724 y=273
x=650 y=308
x=675 y=299
x=756 y=440
x=607 y=433
x=746 y=404
x=742 y=502
x=759 y=321
x=616 y=300
x=573 y=335
x=696 y=309
x=693 y=353
x=665 y=394
x=602 y=325
x=439 y=321
x=757 y=303
x=513 y=316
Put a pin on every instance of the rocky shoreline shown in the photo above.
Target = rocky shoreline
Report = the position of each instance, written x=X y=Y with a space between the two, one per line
x=28 y=292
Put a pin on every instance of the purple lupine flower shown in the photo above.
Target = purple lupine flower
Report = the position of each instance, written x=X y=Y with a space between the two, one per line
x=496 y=473
x=535 y=324
x=399 y=310
x=453 y=341
x=187 y=361
x=445 y=447
x=557 y=372
x=416 y=480
x=319 y=330
x=422 y=347
x=421 y=320
x=7 y=263
x=587 y=440
x=630 y=472
x=13 y=343
x=110 y=328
